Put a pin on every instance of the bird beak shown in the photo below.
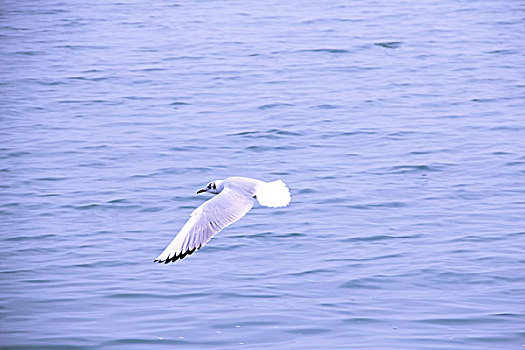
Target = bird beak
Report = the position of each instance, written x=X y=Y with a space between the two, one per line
x=201 y=190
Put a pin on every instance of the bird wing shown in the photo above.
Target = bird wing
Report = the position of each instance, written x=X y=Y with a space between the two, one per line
x=205 y=222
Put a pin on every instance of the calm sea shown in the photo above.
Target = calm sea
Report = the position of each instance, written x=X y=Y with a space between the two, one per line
x=399 y=127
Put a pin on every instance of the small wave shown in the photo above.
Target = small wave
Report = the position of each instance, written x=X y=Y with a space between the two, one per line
x=325 y=106
x=363 y=283
x=389 y=44
x=378 y=205
x=406 y=169
x=51 y=179
x=125 y=342
x=269 y=148
x=273 y=105
x=308 y=331
x=310 y=272
x=339 y=51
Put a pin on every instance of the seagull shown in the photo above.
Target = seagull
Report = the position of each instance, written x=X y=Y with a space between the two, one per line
x=235 y=197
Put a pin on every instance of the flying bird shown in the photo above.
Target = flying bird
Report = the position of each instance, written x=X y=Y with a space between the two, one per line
x=235 y=197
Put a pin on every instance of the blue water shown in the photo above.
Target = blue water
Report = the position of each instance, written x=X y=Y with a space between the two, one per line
x=398 y=126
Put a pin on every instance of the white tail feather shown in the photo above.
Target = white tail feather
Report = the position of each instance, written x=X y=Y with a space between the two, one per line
x=273 y=194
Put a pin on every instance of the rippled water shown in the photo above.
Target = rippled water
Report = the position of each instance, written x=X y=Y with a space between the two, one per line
x=397 y=125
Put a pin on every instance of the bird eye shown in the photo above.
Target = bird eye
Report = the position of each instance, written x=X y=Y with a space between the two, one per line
x=209 y=186
x=214 y=187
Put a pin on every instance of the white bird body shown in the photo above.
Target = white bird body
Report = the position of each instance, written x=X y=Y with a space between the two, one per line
x=235 y=197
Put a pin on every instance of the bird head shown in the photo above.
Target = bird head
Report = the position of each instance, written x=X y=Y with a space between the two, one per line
x=214 y=187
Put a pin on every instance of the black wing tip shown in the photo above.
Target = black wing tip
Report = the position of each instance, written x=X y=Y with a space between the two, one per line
x=177 y=257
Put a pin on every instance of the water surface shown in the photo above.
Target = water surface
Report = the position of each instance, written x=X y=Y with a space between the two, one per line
x=397 y=125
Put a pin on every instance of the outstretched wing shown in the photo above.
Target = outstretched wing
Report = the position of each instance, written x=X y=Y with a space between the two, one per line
x=205 y=222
